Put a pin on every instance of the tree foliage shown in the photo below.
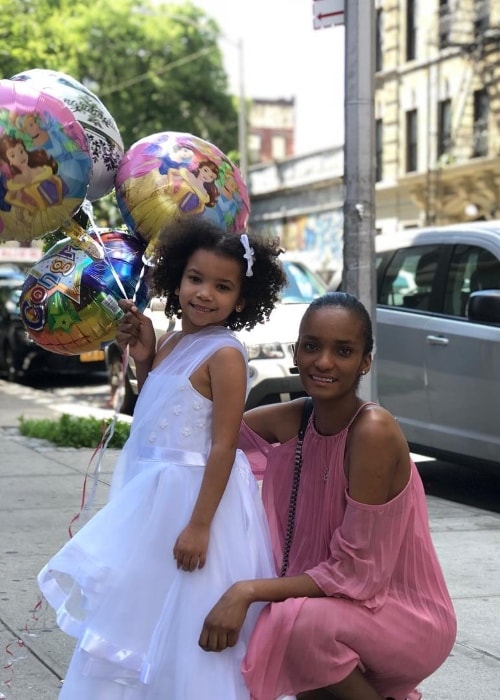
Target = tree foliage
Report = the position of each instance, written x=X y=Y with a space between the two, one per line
x=155 y=66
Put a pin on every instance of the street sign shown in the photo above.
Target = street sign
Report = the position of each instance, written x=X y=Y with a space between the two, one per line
x=328 y=13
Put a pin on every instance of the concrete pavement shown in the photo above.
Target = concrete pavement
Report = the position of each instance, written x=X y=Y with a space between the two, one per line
x=41 y=485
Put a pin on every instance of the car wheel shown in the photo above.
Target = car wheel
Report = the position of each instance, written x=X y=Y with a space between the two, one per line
x=129 y=399
x=115 y=379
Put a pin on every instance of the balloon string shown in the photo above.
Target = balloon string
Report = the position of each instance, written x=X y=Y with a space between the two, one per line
x=83 y=240
x=87 y=502
x=119 y=395
x=139 y=282
x=89 y=211
x=17 y=648
x=87 y=499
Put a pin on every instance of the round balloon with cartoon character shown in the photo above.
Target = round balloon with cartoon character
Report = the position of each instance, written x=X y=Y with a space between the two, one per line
x=45 y=164
x=172 y=175
x=69 y=302
x=105 y=143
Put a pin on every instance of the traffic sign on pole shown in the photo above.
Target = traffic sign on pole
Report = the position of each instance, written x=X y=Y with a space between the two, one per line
x=327 y=13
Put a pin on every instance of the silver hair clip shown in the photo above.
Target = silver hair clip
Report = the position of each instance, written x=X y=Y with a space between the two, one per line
x=248 y=255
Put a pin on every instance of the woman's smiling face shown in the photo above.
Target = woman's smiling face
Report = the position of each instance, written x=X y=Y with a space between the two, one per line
x=330 y=351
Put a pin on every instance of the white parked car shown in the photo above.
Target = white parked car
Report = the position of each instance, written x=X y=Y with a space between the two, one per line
x=269 y=345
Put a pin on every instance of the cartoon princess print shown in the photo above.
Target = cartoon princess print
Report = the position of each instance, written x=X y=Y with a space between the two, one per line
x=176 y=155
x=156 y=158
x=193 y=190
x=152 y=200
x=45 y=132
x=33 y=183
x=229 y=202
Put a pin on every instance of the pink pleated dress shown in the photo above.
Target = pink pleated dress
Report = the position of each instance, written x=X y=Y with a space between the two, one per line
x=386 y=607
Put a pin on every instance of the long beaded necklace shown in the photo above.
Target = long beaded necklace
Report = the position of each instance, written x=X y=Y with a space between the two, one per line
x=306 y=412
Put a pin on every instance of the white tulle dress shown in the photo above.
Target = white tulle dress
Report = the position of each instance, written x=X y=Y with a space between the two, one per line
x=115 y=585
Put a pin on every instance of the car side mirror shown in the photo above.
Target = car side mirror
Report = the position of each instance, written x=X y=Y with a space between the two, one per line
x=484 y=306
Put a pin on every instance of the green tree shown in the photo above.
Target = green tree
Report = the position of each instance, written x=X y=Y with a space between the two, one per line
x=156 y=66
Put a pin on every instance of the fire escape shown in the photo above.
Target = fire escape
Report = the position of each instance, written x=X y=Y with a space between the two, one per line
x=464 y=124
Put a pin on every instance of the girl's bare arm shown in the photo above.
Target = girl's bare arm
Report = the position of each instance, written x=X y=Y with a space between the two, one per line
x=136 y=331
x=227 y=379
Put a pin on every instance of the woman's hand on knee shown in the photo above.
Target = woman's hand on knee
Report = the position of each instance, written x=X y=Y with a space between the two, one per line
x=223 y=623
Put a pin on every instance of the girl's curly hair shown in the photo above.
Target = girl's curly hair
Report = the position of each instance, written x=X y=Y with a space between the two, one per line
x=178 y=242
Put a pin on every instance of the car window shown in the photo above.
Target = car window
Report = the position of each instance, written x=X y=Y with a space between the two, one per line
x=302 y=284
x=11 y=272
x=409 y=277
x=471 y=269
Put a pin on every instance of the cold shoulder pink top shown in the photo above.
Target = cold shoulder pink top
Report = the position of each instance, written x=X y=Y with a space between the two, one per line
x=386 y=607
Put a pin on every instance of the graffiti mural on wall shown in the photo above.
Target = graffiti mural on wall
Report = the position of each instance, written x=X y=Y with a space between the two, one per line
x=318 y=236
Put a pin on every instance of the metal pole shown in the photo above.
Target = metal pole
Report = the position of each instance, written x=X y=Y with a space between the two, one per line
x=242 y=115
x=359 y=163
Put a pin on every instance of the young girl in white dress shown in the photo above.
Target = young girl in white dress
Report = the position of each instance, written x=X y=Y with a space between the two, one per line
x=184 y=519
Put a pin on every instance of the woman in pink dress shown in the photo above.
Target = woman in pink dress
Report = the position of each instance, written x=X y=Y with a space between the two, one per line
x=361 y=610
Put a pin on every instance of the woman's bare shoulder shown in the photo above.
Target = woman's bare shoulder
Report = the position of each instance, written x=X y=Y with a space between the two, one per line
x=278 y=422
x=373 y=417
x=376 y=434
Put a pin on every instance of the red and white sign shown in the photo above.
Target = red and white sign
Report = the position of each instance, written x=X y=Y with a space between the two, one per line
x=17 y=254
x=328 y=13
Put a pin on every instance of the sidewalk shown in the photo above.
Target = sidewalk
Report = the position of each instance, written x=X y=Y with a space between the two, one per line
x=41 y=486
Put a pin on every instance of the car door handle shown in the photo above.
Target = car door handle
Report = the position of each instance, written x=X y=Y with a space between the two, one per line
x=437 y=340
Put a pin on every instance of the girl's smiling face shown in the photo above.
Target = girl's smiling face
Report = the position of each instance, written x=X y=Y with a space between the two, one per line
x=210 y=290
x=330 y=352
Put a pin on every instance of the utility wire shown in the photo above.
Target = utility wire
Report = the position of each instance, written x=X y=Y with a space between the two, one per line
x=139 y=78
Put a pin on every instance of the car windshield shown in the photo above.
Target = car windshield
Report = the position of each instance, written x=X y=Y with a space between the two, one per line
x=8 y=272
x=302 y=285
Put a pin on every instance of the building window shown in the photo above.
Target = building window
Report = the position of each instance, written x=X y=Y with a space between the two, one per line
x=411 y=30
x=379 y=40
x=255 y=148
x=444 y=127
x=444 y=23
x=278 y=147
x=411 y=140
x=481 y=17
x=379 y=150
x=480 y=125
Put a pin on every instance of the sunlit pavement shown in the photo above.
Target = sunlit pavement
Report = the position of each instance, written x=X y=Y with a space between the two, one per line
x=41 y=487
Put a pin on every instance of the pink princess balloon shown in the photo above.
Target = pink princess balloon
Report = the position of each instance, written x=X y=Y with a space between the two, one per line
x=104 y=139
x=170 y=175
x=44 y=179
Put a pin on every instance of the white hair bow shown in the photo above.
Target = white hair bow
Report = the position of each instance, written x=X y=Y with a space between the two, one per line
x=248 y=254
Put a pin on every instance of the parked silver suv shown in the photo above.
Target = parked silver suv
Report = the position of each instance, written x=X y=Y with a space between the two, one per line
x=438 y=338
x=269 y=345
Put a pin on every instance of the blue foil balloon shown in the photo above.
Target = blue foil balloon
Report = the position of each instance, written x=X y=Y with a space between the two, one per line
x=69 y=302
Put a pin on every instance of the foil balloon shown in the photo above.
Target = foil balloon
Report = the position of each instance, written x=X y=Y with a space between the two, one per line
x=45 y=164
x=171 y=175
x=105 y=143
x=69 y=302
